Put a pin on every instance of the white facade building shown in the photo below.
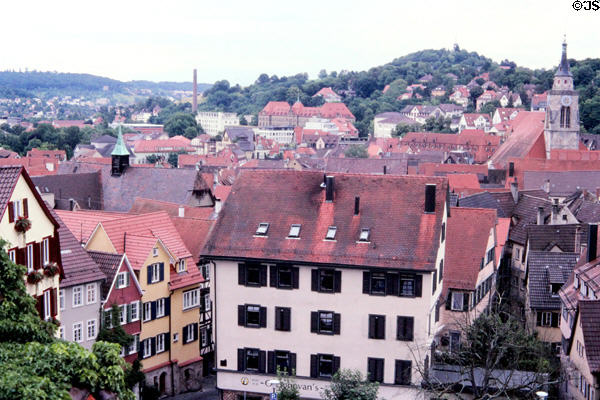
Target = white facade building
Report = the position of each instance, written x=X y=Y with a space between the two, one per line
x=281 y=135
x=214 y=122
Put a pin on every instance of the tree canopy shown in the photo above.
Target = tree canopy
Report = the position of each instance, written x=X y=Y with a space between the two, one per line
x=349 y=384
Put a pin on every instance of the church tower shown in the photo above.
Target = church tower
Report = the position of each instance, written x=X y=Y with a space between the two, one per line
x=120 y=156
x=561 y=130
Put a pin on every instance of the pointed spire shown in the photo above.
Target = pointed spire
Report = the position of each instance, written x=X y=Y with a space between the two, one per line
x=120 y=148
x=563 y=68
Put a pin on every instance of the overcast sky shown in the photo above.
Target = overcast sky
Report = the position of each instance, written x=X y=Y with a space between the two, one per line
x=238 y=40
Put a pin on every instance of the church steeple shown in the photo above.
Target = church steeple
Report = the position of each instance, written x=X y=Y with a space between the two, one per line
x=563 y=68
x=119 y=155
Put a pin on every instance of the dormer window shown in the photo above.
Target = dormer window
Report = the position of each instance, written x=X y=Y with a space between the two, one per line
x=331 y=231
x=576 y=282
x=365 y=234
x=262 y=229
x=295 y=231
x=155 y=252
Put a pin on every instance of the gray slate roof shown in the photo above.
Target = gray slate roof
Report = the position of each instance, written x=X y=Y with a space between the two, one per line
x=85 y=189
x=562 y=183
x=567 y=237
x=546 y=267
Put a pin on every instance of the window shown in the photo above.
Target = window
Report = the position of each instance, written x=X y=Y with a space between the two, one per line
x=61 y=332
x=61 y=299
x=17 y=210
x=160 y=308
x=47 y=305
x=283 y=318
x=326 y=280
x=191 y=298
x=181 y=266
x=122 y=280
x=147 y=352
x=92 y=331
x=376 y=326
x=204 y=337
x=402 y=375
x=407 y=286
x=45 y=251
x=147 y=311
x=190 y=333
x=325 y=322
x=490 y=256
x=252 y=316
x=365 y=234
x=458 y=301
x=294 y=231
x=252 y=274
x=441 y=270
x=206 y=301
x=284 y=276
x=405 y=328
x=565 y=117
x=155 y=273
x=378 y=281
x=281 y=360
x=323 y=365
x=123 y=314
x=12 y=255
x=160 y=343
x=252 y=362
x=134 y=311
x=77 y=296
x=205 y=269
x=547 y=318
x=155 y=252
x=78 y=332
x=331 y=231
x=91 y=293
x=262 y=229
x=133 y=346
x=375 y=369
x=443 y=231
x=434 y=282
x=30 y=258
x=175 y=337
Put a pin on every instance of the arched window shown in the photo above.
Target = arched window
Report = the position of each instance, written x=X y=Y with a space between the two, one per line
x=565 y=117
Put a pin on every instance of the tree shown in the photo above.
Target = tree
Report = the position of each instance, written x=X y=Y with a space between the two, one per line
x=243 y=120
x=288 y=389
x=179 y=122
x=322 y=74
x=402 y=129
x=474 y=94
x=173 y=158
x=115 y=334
x=356 y=151
x=497 y=358
x=190 y=132
x=349 y=384
x=153 y=159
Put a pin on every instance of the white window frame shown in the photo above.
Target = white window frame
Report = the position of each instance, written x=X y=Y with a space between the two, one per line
x=204 y=337
x=155 y=270
x=47 y=305
x=45 y=251
x=61 y=299
x=122 y=280
x=148 y=312
x=12 y=255
x=93 y=324
x=295 y=231
x=462 y=301
x=155 y=252
x=175 y=337
x=191 y=298
x=78 y=327
x=181 y=265
x=132 y=348
x=30 y=257
x=90 y=288
x=77 y=293
x=17 y=209
x=160 y=343
x=61 y=332
x=207 y=302
x=160 y=308
x=135 y=306
x=331 y=231
x=123 y=314
x=189 y=331
x=546 y=318
x=147 y=348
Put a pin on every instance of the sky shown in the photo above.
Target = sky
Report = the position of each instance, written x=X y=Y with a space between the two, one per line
x=239 y=40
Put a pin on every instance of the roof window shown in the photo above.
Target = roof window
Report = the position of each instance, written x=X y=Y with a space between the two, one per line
x=365 y=234
x=331 y=231
x=294 y=231
x=262 y=229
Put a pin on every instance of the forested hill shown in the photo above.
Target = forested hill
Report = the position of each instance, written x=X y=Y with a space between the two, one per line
x=363 y=91
x=44 y=84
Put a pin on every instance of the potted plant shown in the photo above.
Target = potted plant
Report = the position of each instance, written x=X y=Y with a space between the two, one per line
x=22 y=224
x=51 y=269
x=34 y=277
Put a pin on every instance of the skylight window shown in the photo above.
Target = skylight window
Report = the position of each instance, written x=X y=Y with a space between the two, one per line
x=331 y=231
x=294 y=231
x=365 y=234
x=262 y=229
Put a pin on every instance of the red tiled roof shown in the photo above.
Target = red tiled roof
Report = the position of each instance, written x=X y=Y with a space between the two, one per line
x=222 y=192
x=463 y=181
x=145 y=206
x=433 y=169
x=83 y=223
x=481 y=145
x=525 y=130
x=194 y=232
x=467 y=236
x=282 y=198
x=174 y=144
x=326 y=91
x=502 y=228
x=8 y=179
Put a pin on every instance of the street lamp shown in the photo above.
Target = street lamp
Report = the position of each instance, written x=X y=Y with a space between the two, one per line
x=541 y=395
x=274 y=383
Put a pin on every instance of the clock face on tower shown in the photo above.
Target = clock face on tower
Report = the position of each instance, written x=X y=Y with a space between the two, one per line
x=565 y=101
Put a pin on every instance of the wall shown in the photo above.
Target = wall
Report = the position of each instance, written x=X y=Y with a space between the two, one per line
x=83 y=313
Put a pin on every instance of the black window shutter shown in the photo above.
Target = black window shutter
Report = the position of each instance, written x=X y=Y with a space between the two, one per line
x=271 y=362
x=337 y=281
x=314 y=321
x=465 y=301
x=153 y=345
x=336 y=323
x=434 y=282
x=162 y=271
x=449 y=300
x=398 y=372
x=539 y=319
x=441 y=270
x=263 y=317
x=263 y=275
x=372 y=369
x=241 y=274
x=392 y=284
x=380 y=370
x=25 y=208
x=184 y=334
x=141 y=349
x=554 y=320
x=167 y=305
x=278 y=318
x=336 y=364
x=409 y=327
x=381 y=327
x=418 y=285
x=292 y=364
x=287 y=319
x=167 y=340
x=314 y=366
x=314 y=286
x=241 y=359
x=295 y=277
x=195 y=327
x=153 y=310
x=149 y=273
x=366 y=282
x=371 y=329
x=273 y=275
x=242 y=315
x=262 y=360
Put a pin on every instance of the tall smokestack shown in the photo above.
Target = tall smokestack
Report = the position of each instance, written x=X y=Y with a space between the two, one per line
x=195 y=90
